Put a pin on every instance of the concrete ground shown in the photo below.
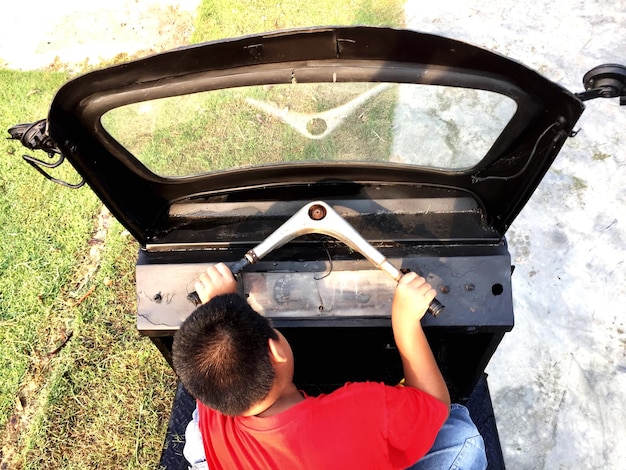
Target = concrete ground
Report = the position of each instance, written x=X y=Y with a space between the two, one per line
x=559 y=379
x=90 y=31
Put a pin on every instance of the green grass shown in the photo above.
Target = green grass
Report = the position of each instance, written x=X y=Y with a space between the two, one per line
x=110 y=393
x=229 y=18
x=78 y=387
x=31 y=258
x=217 y=130
x=57 y=394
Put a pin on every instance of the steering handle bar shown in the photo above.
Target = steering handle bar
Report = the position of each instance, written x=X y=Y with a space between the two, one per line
x=319 y=217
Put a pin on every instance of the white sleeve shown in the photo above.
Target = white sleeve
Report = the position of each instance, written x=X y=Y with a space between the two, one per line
x=194 y=448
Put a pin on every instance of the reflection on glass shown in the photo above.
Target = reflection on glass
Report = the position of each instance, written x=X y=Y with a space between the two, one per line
x=424 y=125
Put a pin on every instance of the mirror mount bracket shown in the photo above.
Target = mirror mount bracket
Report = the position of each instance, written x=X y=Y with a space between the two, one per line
x=34 y=136
x=605 y=81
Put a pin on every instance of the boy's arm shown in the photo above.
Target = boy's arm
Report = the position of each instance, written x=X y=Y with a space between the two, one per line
x=412 y=297
x=217 y=280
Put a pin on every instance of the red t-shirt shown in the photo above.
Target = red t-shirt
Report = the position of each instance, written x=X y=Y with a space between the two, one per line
x=361 y=425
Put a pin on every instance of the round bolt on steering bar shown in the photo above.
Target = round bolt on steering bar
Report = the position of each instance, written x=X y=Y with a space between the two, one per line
x=317 y=212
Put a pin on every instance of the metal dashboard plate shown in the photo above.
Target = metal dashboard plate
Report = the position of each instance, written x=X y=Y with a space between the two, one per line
x=476 y=291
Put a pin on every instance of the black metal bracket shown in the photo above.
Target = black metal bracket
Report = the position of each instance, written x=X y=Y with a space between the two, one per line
x=605 y=81
x=37 y=165
x=34 y=136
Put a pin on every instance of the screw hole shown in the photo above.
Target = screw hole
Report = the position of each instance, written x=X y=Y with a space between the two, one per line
x=497 y=289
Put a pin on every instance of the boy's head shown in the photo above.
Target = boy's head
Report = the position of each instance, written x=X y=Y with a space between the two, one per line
x=221 y=355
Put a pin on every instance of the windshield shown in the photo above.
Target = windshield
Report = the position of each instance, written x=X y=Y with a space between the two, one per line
x=430 y=126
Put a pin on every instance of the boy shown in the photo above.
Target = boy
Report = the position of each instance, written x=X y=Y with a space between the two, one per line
x=251 y=415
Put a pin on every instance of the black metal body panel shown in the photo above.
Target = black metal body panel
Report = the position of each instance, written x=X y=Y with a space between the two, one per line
x=501 y=183
x=473 y=282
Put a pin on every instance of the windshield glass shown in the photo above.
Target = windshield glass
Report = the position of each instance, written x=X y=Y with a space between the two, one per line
x=424 y=125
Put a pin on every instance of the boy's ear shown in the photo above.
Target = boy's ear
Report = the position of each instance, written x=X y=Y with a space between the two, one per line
x=277 y=351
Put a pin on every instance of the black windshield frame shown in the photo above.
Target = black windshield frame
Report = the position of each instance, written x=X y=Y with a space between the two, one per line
x=501 y=183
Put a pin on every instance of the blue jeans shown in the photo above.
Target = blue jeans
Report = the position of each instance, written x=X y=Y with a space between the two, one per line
x=458 y=446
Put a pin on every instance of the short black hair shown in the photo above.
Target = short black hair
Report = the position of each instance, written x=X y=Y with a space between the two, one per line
x=221 y=355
